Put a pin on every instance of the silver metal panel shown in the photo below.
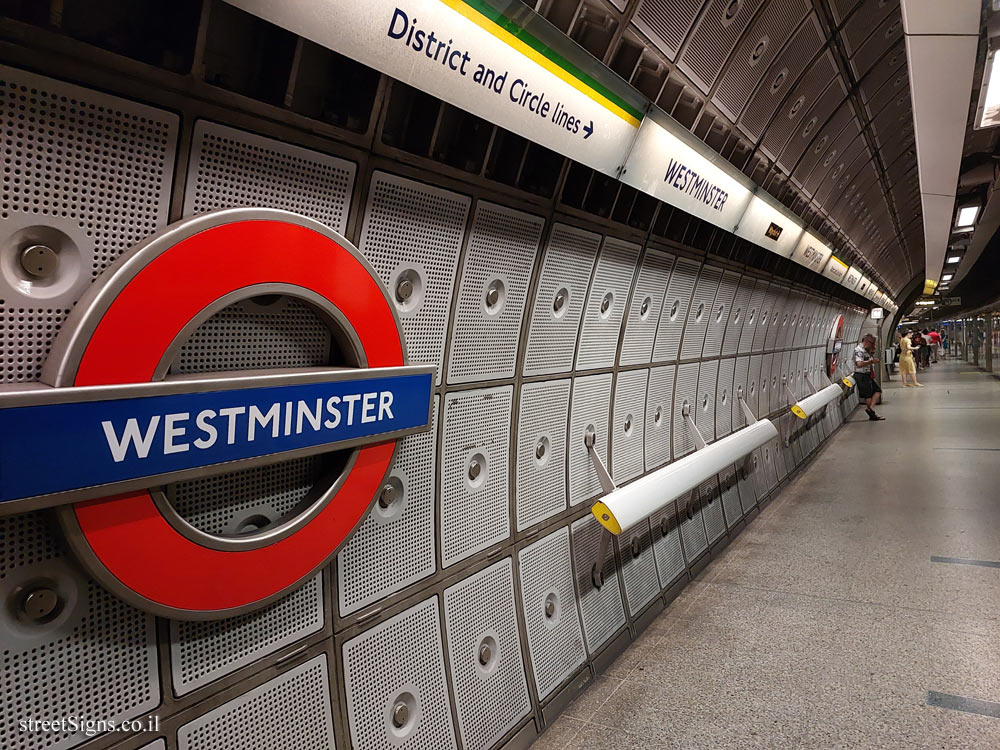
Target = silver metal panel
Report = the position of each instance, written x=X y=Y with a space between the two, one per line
x=642 y=585
x=701 y=311
x=795 y=113
x=685 y=391
x=252 y=719
x=693 y=534
x=562 y=289
x=395 y=545
x=741 y=379
x=779 y=371
x=413 y=233
x=628 y=425
x=753 y=386
x=667 y=545
x=738 y=312
x=725 y=398
x=704 y=418
x=201 y=652
x=644 y=312
x=474 y=505
x=601 y=608
x=484 y=656
x=785 y=424
x=95 y=660
x=759 y=474
x=768 y=450
x=399 y=661
x=590 y=406
x=728 y=484
x=720 y=314
x=552 y=622
x=747 y=488
x=777 y=296
x=502 y=247
x=540 y=487
x=780 y=469
x=605 y=307
x=760 y=45
x=752 y=333
x=659 y=403
x=711 y=42
x=88 y=172
x=789 y=320
x=766 y=319
x=676 y=303
x=806 y=317
x=711 y=503
x=231 y=168
x=764 y=387
x=666 y=22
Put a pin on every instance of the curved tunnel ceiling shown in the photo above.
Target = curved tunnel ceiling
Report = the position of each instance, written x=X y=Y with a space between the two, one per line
x=810 y=98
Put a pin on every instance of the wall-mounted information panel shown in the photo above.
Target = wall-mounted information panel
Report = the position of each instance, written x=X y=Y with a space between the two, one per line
x=852 y=278
x=769 y=226
x=836 y=269
x=492 y=63
x=812 y=252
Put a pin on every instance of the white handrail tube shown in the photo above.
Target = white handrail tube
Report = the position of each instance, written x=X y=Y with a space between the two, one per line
x=810 y=405
x=622 y=509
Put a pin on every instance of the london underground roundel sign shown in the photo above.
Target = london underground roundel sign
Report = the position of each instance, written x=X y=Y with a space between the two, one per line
x=113 y=425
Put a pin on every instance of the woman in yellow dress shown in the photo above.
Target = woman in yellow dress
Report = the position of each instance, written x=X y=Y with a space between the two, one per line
x=907 y=365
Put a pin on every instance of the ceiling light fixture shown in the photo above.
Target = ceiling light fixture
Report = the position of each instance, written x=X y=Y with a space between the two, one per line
x=947 y=277
x=988 y=113
x=955 y=259
x=966 y=217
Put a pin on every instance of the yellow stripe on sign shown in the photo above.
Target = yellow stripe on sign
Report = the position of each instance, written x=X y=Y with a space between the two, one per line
x=532 y=54
x=834 y=257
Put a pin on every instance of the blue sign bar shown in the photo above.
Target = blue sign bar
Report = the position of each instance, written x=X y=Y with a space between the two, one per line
x=62 y=447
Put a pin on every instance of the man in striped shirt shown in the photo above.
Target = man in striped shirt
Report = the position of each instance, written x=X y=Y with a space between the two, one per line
x=868 y=388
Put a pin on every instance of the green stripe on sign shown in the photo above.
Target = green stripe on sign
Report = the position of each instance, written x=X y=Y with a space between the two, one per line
x=512 y=28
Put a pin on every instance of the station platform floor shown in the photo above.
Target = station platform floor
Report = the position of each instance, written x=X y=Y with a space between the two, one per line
x=860 y=609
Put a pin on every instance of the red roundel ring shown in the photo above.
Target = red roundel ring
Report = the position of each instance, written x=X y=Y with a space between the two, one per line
x=126 y=323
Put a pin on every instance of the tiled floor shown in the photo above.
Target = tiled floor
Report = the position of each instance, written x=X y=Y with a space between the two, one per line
x=825 y=623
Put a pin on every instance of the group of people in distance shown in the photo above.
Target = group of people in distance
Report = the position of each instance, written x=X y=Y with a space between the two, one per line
x=916 y=350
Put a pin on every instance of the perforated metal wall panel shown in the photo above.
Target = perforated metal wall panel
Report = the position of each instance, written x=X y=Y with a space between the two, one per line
x=628 y=425
x=606 y=300
x=251 y=719
x=666 y=22
x=644 y=311
x=659 y=403
x=395 y=545
x=795 y=112
x=718 y=29
x=776 y=304
x=555 y=640
x=746 y=486
x=501 y=253
x=711 y=503
x=230 y=168
x=765 y=319
x=764 y=385
x=676 y=303
x=667 y=545
x=752 y=325
x=770 y=471
x=601 y=608
x=725 y=398
x=779 y=375
x=559 y=297
x=738 y=312
x=760 y=45
x=474 y=471
x=780 y=469
x=753 y=387
x=685 y=390
x=484 y=656
x=759 y=474
x=635 y=547
x=730 y=495
x=201 y=652
x=399 y=661
x=789 y=320
x=412 y=234
x=541 y=451
x=704 y=417
x=60 y=145
x=692 y=533
x=701 y=311
x=720 y=314
x=590 y=406
x=96 y=659
x=741 y=377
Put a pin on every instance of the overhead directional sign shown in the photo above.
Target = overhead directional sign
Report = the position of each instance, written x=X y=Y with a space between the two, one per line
x=811 y=252
x=835 y=269
x=950 y=301
x=475 y=57
x=764 y=223
x=670 y=164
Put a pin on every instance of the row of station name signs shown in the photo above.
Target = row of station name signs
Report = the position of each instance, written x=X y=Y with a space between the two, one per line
x=507 y=66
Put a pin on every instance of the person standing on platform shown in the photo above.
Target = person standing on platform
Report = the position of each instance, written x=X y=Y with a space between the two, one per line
x=935 y=344
x=864 y=368
x=925 y=350
x=917 y=343
x=907 y=364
